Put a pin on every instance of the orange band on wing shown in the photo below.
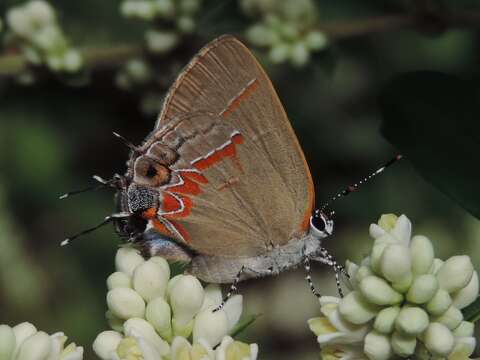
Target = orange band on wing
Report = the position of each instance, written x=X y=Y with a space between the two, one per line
x=235 y=102
x=227 y=151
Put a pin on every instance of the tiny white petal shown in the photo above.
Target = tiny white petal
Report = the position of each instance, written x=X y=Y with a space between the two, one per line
x=402 y=230
x=376 y=231
x=137 y=327
x=22 y=331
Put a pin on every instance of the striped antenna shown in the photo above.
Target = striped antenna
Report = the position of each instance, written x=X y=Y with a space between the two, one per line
x=351 y=188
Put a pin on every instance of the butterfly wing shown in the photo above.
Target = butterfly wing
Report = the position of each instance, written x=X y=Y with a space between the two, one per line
x=224 y=118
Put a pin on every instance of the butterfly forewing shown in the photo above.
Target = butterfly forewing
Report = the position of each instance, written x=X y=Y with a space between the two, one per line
x=254 y=188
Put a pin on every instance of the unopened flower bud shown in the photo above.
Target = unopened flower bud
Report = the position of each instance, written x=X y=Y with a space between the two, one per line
x=127 y=259
x=465 y=329
x=299 y=55
x=354 y=308
x=161 y=42
x=455 y=273
x=149 y=280
x=377 y=346
x=106 y=343
x=125 y=303
x=404 y=284
x=385 y=320
x=162 y=263
x=158 y=314
x=402 y=230
x=186 y=298
x=403 y=345
x=379 y=292
x=438 y=340
x=210 y=326
x=362 y=272
x=7 y=342
x=468 y=294
x=235 y=350
x=23 y=331
x=36 y=346
x=450 y=318
x=118 y=279
x=387 y=222
x=440 y=302
x=316 y=40
x=396 y=263
x=279 y=52
x=114 y=322
x=136 y=327
x=421 y=250
x=376 y=256
x=411 y=320
x=423 y=288
x=436 y=265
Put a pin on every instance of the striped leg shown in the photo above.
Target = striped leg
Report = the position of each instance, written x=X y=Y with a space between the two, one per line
x=308 y=277
x=233 y=289
x=338 y=269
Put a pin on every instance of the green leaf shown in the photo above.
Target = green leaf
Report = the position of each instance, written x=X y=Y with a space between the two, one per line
x=472 y=311
x=434 y=120
x=244 y=322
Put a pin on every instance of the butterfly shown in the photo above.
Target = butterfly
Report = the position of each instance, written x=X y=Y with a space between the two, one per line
x=221 y=183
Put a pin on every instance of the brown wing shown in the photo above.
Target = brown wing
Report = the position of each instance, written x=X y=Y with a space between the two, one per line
x=265 y=195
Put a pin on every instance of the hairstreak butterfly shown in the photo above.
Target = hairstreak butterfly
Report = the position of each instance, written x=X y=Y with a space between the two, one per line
x=221 y=182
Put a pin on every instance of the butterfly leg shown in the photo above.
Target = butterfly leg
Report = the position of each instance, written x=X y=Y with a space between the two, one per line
x=308 y=277
x=233 y=289
x=328 y=259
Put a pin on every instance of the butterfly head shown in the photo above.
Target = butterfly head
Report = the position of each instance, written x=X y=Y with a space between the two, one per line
x=321 y=224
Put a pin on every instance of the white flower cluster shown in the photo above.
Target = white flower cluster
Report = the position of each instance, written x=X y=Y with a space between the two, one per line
x=286 y=28
x=178 y=16
x=135 y=72
x=403 y=302
x=24 y=342
x=153 y=315
x=34 y=29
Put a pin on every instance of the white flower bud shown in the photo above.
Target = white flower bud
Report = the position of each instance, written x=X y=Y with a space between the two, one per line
x=233 y=308
x=379 y=292
x=437 y=264
x=468 y=294
x=465 y=329
x=127 y=259
x=422 y=253
x=396 y=263
x=186 y=24
x=402 y=230
x=279 y=52
x=72 y=61
x=385 y=320
x=450 y=318
x=352 y=269
x=438 y=340
x=140 y=328
x=125 y=303
x=23 y=331
x=213 y=296
x=402 y=344
x=158 y=314
x=40 y=11
x=235 y=350
x=7 y=342
x=423 y=288
x=376 y=231
x=114 y=322
x=19 y=21
x=262 y=35
x=463 y=348
x=455 y=273
x=403 y=285
x=412 y=320
x=136 y=348
x=106 y=343
x=362 y=272
x=376 y=255
x=186 y=298
x=35 y=347
x=149 y=280
x=118 y=279
x=386 y=223
x=184 y=330
x=162 y=263
x=161 y=42
x=171 y=283
x=316 y=40
x=354 y=308
x=210 y=326
x=299 y=54
x=377 y=346
x=440 y=302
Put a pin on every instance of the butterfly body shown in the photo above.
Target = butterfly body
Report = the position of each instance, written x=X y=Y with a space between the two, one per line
x=221 y=182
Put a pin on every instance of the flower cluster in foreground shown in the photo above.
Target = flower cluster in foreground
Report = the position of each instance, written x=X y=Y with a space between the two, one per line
x=24 y=342
x=403 y=302
x=154 y=316
x=35 y=31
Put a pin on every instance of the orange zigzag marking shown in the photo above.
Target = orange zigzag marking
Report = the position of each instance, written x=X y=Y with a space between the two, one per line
x=228 y=151
x=244 y=94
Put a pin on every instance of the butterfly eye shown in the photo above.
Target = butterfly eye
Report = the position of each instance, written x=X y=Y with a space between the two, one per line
x=149 y=172
x=321 y=225
x=319 y=222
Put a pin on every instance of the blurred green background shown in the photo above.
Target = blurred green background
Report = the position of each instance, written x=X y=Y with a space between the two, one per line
x=57 y=132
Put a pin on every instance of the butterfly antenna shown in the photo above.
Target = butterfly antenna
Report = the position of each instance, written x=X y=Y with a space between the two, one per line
x=103 y=183
x=351 y=188
x=125 y=141
x=104 y=222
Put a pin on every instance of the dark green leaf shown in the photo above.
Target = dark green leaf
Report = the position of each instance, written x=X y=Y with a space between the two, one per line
x=244 y=322
x=472 y=311
x=434 y=120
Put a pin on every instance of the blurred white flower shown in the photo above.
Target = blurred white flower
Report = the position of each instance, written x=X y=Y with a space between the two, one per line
x=183 y=350
x=24 y=342
x=235 y=350
x=161 y=42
